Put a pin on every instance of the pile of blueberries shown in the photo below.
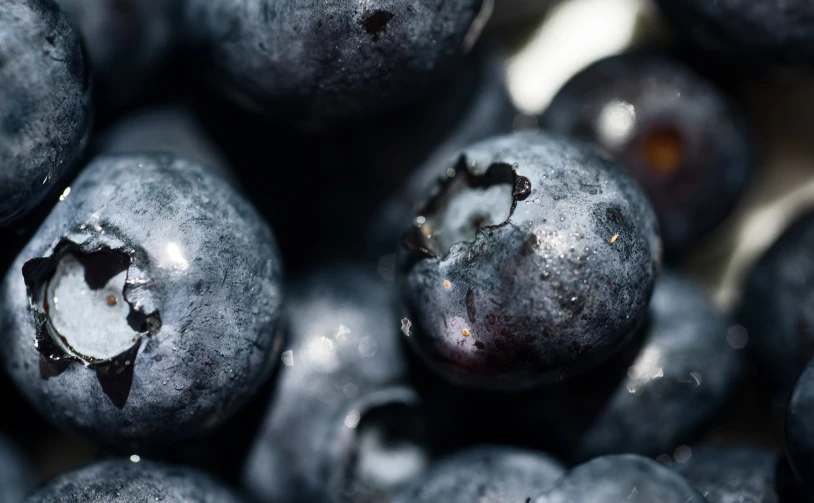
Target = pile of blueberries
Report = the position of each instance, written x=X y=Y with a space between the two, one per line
x=296 y=251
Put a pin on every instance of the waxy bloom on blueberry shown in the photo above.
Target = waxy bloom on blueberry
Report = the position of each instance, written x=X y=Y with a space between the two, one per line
x=533 y=260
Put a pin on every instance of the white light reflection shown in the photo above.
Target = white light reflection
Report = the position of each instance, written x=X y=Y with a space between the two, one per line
x=176 y=256
x=352 y=419
x=405 y=326
x=575 y=34
x=616 y=122
x=645 y=369
x=320 y=351
x=341 y=334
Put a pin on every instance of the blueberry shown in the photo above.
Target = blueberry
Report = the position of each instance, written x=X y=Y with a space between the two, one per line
x=776 y=309
x=315 y=63
x=800 y=428
x=485 y=473
x=732 y=474
x=668 y=388
x=147 y=307
x=535 y=259
x=682 y=140
x=127 y=41
x=45 y=94
x=16 y=478
x=124 y=481
x=627 y=477
x=745 y=32
x=343 y=425
x=174 y=129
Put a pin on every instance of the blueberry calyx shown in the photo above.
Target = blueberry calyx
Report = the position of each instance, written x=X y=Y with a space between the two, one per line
x=109 y=344
x=375 y=22
x=486 y=192
x=390 y=449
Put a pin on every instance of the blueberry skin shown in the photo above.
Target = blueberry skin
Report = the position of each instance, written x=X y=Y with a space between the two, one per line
x=127 y=42
x=682 y=139
x=316 y=63
x=675 y=384
x=486 y=473
x=16 y=478
x=800 y=428
x=173 y=129
x=342 y=387
x=749 y=33
x=728 y=474
x=46 y=94
x=552 y=291
x=122 y=481
x=614 y=479
x=776 y=308
x=203 y=288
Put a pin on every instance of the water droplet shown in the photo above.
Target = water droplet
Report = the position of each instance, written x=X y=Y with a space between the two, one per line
x=352 y=419
x=406 y=325
x=682 y=454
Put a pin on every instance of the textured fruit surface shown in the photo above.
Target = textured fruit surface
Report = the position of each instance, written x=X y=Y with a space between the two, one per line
x=145 y=308
x=45 y=95
x=123 y=481
x=535 y=259
x=319 y=62
x=678 y=136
